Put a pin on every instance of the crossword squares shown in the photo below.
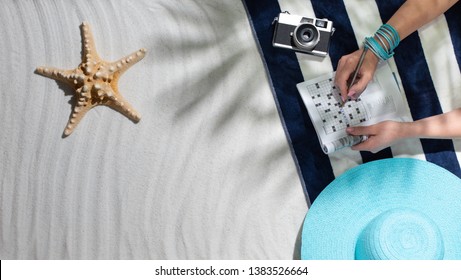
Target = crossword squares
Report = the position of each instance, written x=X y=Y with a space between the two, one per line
x=327 y=97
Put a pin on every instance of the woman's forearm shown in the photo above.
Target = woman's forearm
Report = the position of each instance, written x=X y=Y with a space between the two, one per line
x=384 y=134
x=441 y=126
x=415 y=13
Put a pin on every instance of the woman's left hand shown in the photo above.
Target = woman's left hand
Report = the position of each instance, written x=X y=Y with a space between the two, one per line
x=380 y=135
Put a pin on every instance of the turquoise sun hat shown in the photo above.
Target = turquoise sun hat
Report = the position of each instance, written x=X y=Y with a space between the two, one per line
x=396 y=208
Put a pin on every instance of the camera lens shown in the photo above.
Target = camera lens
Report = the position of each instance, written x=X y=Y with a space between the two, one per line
x=306 y=36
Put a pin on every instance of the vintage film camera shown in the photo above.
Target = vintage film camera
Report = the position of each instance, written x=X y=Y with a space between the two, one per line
x=303 y=34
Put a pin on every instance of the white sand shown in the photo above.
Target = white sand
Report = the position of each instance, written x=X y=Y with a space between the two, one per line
x=206 y=174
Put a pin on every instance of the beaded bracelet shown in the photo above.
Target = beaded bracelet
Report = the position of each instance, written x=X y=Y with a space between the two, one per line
x=386 y=33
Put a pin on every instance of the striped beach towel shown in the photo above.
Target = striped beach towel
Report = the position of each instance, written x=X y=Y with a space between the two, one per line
x=427 y=65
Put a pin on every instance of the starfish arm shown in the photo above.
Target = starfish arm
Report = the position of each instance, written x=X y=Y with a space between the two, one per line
x=119 y=104
x=80 y=109
x=67 y=76
x=89 y=53
x=126 y=62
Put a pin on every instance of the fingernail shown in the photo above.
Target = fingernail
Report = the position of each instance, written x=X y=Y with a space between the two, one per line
x=351 y=93
x=349 y=129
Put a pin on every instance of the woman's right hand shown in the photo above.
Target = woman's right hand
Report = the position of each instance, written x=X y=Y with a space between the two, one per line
x=345 y=70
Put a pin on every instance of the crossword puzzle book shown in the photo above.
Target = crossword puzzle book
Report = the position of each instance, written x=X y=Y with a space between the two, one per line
x=382 y=100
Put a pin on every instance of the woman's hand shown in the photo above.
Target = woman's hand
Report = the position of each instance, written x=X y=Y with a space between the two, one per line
x=345 y=70
x=380 y=135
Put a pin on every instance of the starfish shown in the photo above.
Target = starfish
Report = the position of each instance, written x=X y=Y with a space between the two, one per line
x=94 y=81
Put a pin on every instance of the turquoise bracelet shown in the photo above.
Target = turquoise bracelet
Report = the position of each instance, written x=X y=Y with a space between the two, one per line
x=386 y=33
x=376 y=48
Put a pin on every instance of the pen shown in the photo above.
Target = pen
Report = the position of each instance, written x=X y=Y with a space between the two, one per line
x=356 y=71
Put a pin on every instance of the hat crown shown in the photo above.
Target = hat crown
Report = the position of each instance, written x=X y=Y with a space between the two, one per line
x=400 y=234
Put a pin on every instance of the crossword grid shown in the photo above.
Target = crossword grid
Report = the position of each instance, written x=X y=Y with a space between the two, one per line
x=326 y=98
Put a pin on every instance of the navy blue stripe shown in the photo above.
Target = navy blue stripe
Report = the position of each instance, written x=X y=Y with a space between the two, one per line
x=420 y=91
x=454 y=25
x=343 y=42
x=285 y=73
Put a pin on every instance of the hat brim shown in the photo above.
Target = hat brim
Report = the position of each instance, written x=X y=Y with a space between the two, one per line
x=345 y=207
